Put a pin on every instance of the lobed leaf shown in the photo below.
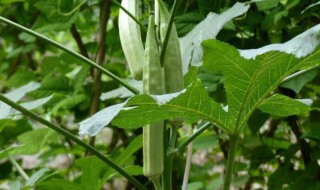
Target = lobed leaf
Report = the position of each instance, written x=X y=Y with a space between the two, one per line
x=249 y=82
x=192 y=105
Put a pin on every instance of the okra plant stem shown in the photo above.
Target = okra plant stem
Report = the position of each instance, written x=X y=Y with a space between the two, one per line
x=73 y=53
x=169 y=157
x=234 y=140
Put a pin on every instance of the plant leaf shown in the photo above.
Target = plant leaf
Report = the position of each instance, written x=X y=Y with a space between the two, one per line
x=33 y=141
x=283 y=106
x=191 y=104
x=16 y=95
x=248 y=82
x=36 y=177
x=297 y=83
x=122 y=92
x=190 y=44
x=300 y=46
x=91 y=168
x=93 y=125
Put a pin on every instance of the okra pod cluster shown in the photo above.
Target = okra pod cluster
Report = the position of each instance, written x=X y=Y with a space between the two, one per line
x=156 y=79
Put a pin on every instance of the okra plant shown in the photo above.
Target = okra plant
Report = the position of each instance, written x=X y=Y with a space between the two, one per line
x=251 y=109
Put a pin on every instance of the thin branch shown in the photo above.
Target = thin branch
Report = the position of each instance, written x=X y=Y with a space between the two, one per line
x=142 y=27
x=100 y=57
x=188 y=167
x=304 y=146
x=78 y=39
x=18 y=167
x=185 y=143
x=69 y=135
x=75 y=54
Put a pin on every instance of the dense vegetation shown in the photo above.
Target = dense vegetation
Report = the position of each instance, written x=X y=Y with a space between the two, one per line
x=255 y=112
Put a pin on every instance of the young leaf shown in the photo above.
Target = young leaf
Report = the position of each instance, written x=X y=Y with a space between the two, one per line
x=93 y=125
x=248 y=82
x=16 y=95
x=283 y=106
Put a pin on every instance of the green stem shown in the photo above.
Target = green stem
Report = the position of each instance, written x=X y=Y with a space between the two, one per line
x=75 y=54
x=168 y=32
x=156 y=182
x=170 y=154
x=185 y=143
x=69 y=135
x=231 y=160
x=142 y=27
x=18 y=167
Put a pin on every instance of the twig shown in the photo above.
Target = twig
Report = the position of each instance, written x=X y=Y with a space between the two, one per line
x=18 y=167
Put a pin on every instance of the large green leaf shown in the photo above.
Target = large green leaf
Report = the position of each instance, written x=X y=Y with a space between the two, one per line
x=249 y=81
x=192 y=105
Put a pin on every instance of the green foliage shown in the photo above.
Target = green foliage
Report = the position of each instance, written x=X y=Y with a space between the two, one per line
x=231 y=82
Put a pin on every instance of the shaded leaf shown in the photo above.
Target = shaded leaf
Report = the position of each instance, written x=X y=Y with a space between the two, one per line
x=92 y=171
x=128 y=152
x=15 y=185
x=298 y=82
x=283 y=106
x=59 y=184
x=33 y=141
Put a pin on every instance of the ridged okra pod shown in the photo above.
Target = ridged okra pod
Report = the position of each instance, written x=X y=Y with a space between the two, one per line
x=152 y=84
x=172 y=59
x=130 y=38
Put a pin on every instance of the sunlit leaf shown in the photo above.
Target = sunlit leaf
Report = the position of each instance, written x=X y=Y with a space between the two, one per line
x=249 y=82
x=192 y=105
